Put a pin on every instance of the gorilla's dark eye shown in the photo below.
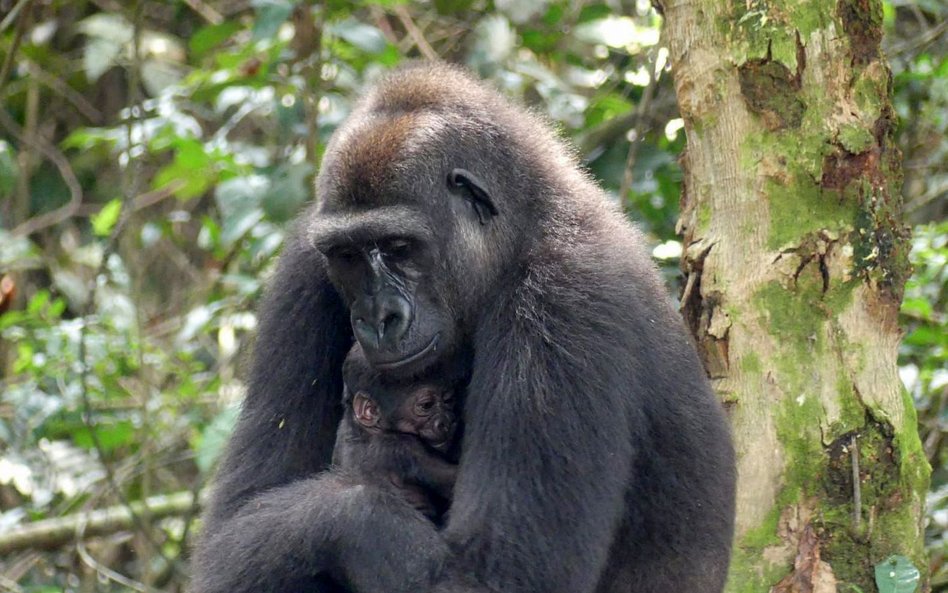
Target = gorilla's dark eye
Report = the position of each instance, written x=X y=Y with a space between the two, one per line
x=398 y=248
x=344 y=253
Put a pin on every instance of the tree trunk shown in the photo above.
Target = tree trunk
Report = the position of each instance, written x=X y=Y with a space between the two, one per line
x=796 y=256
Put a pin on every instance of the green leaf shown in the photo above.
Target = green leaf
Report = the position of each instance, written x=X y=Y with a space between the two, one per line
x=110 y=433
x=192 y=169
x=107 y=35
x=593 y=12
x=207 y=38
x=8 y=168
x=287 y=191
x=271 y=14
x=211 y=442
x=365 y=37
x=897 y=574
x=104 y=221
x=452 y=6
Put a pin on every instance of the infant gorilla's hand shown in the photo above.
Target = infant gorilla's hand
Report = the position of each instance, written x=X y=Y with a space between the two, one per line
x=416 y=496
x=418 y=466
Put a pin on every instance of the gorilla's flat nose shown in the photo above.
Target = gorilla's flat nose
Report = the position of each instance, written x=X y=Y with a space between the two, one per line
x=387 y=322
x=441 y=427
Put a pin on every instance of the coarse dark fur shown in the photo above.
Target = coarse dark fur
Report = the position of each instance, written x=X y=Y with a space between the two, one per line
x=595 y=457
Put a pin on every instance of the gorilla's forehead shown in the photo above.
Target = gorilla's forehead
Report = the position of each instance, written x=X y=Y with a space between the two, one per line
x=384 y=158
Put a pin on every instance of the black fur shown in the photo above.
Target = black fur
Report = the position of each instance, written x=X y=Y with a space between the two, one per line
x=595 y=457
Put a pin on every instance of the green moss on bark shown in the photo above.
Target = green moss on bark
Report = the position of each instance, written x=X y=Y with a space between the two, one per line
x=818 y=469
x=801 y=209
x=749 y=572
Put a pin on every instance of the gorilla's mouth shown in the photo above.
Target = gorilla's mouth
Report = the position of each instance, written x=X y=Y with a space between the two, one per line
x=432 y=345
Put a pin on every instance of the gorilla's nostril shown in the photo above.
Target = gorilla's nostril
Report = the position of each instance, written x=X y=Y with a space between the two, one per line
x=390 y=321
x=393 y=320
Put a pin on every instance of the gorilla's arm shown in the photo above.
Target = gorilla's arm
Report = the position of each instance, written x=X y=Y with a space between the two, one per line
x=284 y=538
x=547 y=447
x=287 y=425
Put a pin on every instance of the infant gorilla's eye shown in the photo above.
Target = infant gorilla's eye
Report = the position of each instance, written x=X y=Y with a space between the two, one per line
x=425 y=406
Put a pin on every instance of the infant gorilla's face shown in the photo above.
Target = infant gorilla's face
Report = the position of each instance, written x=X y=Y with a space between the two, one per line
x=425 y=410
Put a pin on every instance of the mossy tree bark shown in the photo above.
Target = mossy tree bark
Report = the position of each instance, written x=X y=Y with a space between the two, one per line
x=796 y=256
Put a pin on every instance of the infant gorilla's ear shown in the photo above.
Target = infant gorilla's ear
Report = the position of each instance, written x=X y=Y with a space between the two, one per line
x=365 y=410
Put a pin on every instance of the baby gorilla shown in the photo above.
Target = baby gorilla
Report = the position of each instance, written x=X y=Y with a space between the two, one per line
x=399 y=434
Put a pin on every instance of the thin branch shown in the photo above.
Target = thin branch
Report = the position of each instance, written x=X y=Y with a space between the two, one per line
x=417 y=37
x=105 y=571
x=308 y=45
x=17 y=38
x=140 y=202
x=911 y=45
x=8 y=584
x=65 y=170
x=857 y=486
x=637 y=130
x=67 y=92
x=53 y=533
x=8 y=20
x=207 y=12
x=130 y=182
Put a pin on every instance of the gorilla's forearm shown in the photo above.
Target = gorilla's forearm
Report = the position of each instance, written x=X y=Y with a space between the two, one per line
x=543 y=518
x=283 y=539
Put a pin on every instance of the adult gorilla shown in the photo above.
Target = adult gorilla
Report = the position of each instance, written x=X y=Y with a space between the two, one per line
x=451 y=225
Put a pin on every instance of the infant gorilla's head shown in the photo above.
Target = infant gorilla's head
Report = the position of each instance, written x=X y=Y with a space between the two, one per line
x=424 y=407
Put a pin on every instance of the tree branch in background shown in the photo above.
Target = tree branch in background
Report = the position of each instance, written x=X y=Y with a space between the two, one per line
x=207 y=12
x=417 y=37
x=637 y=130
x=308 y=44
x=58 y=85
x=140 y=515
x=65 y=170
x=17 y=38
x=52 y=533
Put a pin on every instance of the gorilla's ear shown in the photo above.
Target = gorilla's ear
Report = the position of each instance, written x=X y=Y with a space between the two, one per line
x=462 y=179
x=364 y=410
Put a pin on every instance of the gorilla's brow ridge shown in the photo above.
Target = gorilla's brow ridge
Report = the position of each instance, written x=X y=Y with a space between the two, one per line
x=327 y=230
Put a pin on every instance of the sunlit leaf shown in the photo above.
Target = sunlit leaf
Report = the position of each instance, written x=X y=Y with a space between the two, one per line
x=288 y=190
x=9 y=171
x=211 y=443
x=207 y=38
x=271 y=14
x=105 y=219
x=111 y=435
x=897 y=574
x=365 y=37
x=107 y=35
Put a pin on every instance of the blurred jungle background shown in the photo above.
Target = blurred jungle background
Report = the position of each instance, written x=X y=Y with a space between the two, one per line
x=152 y=153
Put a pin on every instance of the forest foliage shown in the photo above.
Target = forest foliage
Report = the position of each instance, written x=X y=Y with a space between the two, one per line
x=152 y=154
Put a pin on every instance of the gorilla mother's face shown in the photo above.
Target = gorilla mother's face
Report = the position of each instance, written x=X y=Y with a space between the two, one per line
x=403 y=238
